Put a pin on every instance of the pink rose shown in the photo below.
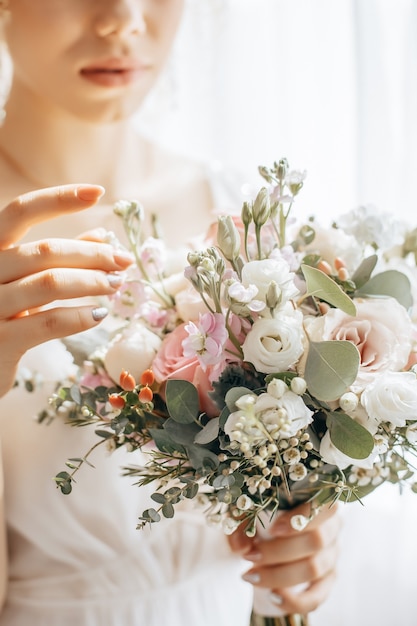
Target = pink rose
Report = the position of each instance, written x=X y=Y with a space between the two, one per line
x=170 y=363
x=381 y=330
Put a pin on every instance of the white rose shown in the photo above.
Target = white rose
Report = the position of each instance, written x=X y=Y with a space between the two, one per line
x=274 y=345
x=381 y=330
x=262 y=273
x=133 y=350
x=392 y=397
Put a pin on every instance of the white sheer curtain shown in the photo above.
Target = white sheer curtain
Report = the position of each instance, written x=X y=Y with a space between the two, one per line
x=330 y=84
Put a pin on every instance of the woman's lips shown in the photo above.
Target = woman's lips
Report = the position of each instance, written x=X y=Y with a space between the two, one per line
x=112 y=74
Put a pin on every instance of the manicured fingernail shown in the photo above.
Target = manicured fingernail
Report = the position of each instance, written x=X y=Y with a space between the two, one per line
x=252 y=577
x=89 y=193
x=275 y=598
x=254 y=555
x=99 y=313
x=114 y=280
x=123 y=258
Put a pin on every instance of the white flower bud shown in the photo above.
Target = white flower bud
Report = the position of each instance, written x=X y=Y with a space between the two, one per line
x=244 y=503
x=298 y=385
x=229 y=525
x=277 y=388
x=349 y=401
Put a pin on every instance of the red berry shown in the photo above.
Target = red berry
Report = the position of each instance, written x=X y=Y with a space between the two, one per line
x=127 y=381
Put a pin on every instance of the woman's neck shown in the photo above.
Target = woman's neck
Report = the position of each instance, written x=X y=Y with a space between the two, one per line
x=52 y=147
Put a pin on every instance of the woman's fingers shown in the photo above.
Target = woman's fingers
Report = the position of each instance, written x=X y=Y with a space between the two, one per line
x=308 y=600
x=292 y=573
x=34 y=257
x=37 y=206
x=299 y=545
x=18 y=335
x=44 y=287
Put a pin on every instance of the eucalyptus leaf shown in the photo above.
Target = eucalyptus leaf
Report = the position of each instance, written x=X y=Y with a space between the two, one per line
x=168 y=510
x=331 y=367
x=349 y=436
x=182 y=401
x=234 y=394
x=181 y=433
x=201 y=458
x=223 y=417
x=159 y=497
x=164 y=442
x=323 y=287
x=75 y=394
x=390 y=283
x=209 y=432
x=191 y=491
x=363 y=273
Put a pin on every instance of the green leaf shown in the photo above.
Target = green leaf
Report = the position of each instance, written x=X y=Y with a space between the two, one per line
x=323 y=287
x=202 y=459
x=168 y=510
x=182 y=401
x=75 y=394
x=363 y=273
x=159 y=497
x=181 y=433
x=106 y=434
x=233 y=395
x=209 y=432
x=390 y=283
x=64 y=482
x=349 y=436
x=164 y=442
x=191 y=491
x=331 y=367
x=223 y=417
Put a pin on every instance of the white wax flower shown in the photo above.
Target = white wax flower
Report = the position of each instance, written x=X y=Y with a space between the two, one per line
x=133 y=350
x=274 y=345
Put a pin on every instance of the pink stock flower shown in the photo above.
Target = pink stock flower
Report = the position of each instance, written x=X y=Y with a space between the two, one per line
x=153 y=256
x=206 y=339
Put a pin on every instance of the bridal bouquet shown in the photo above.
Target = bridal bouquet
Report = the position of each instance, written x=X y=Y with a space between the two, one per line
x=277 y=368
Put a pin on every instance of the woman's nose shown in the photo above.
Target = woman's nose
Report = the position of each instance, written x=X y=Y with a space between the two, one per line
x=120 y=17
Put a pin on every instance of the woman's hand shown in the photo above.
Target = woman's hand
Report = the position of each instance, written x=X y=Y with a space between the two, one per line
x=33 y=275
x=291 y=557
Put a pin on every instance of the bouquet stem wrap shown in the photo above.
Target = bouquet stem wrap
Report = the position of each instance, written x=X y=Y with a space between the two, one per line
x=284 y=620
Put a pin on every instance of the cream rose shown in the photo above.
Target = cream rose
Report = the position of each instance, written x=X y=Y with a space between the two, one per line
x=189 y=304
x=333 y=242
x=392 y=397
x=274 y=345
x=381 y=331
x=133 y=349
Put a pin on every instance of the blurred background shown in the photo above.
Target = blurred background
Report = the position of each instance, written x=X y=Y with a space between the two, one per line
x=329 y=84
